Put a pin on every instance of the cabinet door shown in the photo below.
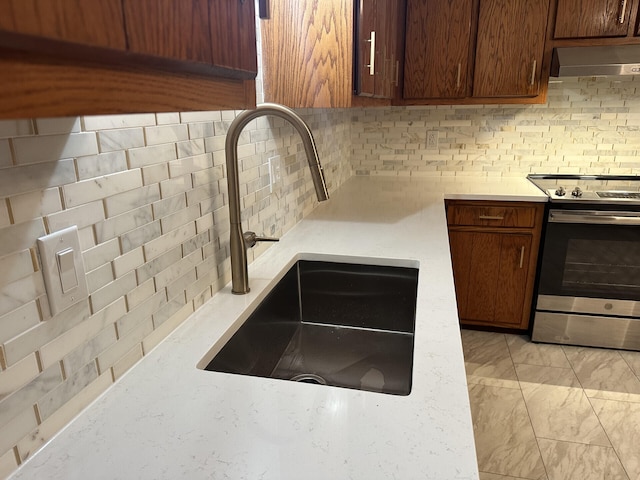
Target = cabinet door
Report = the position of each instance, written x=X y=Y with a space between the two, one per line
x=490 y=273
x=233 y=40
x=475 y=257
x=376 y=37
x=438 y=36
x=176 y=29
x=515 y=251
x=510 y=47
x=368 y=40
x=99 y=24
x=398 y=12
x=592 y=18
x=317 y=69
x=386 y=24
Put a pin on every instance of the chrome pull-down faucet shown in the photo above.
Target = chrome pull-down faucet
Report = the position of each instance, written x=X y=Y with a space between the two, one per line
x=238 y=240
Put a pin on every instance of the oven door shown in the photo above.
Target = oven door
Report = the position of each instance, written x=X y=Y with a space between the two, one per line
x=589 y=282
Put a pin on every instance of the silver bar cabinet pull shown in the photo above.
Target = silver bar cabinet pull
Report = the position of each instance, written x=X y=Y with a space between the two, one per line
x=521 y=256
x=623 y=11
x=533 y=73
x=458 y=77
x=490 y=217
x=372 y=54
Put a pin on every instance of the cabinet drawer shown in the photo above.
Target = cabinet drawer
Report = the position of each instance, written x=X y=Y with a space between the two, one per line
x=491 y=215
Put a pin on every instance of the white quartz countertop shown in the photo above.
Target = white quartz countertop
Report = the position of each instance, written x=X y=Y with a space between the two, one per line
x=167 y=419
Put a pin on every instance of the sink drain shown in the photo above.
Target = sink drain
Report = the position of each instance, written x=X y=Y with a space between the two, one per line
x=309 y=378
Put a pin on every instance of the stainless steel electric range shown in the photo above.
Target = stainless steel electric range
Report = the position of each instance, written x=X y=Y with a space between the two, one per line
x=588 y=286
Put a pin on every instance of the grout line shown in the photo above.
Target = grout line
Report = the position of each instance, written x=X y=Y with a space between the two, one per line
x=607 y=435
x=630 y=367
x=596 y=415
x=535 y=436
x=574 y=372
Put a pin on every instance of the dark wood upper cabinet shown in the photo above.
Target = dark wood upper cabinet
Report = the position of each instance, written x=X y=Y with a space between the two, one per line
x=377 y=36
x=177 y=29
x=76 y=57
x=438 y=41
x=320 y=54
x=307 y=53
x=98 y=24
x=235 y=45
x=368 y=40
x=592 y=18
x=510 y=48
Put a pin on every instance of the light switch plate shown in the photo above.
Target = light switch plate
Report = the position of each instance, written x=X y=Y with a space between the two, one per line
x=51 y=247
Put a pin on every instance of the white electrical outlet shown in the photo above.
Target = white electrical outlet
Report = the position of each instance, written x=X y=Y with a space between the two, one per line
x=432 y=140
x=275 y=171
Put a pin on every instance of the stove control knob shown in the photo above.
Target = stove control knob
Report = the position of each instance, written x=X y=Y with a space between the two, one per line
x=577 y=192
x=561 y=191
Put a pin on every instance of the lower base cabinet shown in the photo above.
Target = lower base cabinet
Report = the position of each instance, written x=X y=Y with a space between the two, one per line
x=494 y=250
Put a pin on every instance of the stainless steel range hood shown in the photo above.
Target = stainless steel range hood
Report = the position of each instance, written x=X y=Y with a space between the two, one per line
x=596 y=61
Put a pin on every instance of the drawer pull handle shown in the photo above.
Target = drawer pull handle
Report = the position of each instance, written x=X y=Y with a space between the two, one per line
x=491 y=217
x=521 y=257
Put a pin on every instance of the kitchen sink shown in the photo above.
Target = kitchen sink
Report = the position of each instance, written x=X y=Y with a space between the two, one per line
x=347 y=325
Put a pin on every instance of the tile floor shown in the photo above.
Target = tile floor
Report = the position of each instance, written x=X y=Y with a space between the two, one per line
x=551 y=412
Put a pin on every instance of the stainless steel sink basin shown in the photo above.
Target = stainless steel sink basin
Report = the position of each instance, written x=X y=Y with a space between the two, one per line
x=340 y=324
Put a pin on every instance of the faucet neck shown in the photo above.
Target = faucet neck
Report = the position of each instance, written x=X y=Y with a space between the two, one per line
x=239 y=268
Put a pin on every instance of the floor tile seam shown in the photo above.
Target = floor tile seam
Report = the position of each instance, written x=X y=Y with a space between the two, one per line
x=515 y=370
x=526 y=407
x=608 y=437
x=560 y=440
x=614 y=352
x=564 y=354
x=579 y=386
x=532 y=430
x=575 y=373
x=544 y=464
x=613 y=399
x=630 y=367
x=539 y=365
x=512 y=476
x=573 y=440
x=488 y=384
x=513 y=363
x=577 y=442
x=568 y=362
x=628 y=477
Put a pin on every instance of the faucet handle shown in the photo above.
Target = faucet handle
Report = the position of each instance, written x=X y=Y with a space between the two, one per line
x=250 y=239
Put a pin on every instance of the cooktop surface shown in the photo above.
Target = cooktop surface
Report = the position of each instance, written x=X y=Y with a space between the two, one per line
x=622 y=189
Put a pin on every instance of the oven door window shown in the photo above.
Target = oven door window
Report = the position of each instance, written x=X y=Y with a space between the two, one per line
x=598 y=261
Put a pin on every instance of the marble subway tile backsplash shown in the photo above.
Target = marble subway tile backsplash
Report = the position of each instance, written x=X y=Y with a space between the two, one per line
x=588 y=125
x=148 y=194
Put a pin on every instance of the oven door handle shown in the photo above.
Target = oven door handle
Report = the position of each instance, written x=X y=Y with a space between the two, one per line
x=594 y=217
